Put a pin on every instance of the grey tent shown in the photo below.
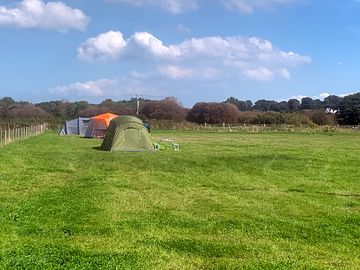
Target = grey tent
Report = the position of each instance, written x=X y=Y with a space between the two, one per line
x=127 y=133
x=75 y=126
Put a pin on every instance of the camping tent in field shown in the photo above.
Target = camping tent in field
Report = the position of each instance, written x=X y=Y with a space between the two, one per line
x=75 y=126
x=127 y=133
x=98 y=125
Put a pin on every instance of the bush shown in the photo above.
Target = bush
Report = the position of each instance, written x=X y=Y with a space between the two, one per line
x=270 y=118
x=213 y=113
x=166 y=109
x=320 y=117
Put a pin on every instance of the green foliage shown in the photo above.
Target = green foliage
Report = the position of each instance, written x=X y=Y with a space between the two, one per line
x=349 y=110
x=213 y=113
x=224 y=201
x=242 y=105
x=270 y=118
x=332 y=102
x=166 y=109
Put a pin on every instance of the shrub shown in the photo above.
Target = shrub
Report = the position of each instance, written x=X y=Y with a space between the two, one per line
x=213 y=113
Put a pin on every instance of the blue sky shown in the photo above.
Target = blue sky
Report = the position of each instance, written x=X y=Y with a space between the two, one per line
x=194 y=50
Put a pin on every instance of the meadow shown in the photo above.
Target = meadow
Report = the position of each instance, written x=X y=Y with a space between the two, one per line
x=224 y=201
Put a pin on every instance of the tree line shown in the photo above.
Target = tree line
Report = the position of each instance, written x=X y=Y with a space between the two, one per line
x=332 y=110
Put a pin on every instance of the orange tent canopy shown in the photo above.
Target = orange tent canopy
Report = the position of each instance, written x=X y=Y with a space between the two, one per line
x=107 y=117
x=99 y=124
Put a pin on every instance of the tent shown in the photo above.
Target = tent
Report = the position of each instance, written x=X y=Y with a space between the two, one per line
x=127 y=133
x=98 y=125
x=75 y=126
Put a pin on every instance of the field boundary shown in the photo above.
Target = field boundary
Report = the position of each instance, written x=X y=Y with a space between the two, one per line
x=248 y=128
x=8 y=136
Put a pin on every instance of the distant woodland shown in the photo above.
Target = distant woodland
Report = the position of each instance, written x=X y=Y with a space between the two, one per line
x=333 y=110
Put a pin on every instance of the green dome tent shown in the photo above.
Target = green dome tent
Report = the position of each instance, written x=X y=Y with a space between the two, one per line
x=127 y=133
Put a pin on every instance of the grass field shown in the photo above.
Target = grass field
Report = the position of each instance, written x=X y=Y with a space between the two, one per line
x=225 y=201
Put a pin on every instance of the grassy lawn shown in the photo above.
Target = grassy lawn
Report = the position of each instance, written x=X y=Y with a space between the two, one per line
x=225 y=201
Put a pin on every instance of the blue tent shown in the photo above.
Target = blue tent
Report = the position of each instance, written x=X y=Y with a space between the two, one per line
x=75 y=126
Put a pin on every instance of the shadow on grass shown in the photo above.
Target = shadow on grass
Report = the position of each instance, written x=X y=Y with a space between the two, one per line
x=66 y=257
x=199 y=248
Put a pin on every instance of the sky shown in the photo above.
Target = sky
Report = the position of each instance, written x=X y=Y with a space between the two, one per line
x=194 y=50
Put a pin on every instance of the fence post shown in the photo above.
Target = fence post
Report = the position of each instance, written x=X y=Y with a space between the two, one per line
x=14 y=134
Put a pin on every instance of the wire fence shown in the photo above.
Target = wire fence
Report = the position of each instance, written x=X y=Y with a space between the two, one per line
x=184 y=126
x=12 y=135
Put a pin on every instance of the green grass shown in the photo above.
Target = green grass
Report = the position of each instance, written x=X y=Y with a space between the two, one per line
x=225 y=201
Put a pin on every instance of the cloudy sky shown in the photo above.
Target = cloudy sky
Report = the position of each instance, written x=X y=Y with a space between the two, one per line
x=195 y=50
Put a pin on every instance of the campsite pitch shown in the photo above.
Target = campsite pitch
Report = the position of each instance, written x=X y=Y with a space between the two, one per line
x=224 y=201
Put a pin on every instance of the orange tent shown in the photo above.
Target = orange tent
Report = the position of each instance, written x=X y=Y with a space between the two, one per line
x=99 y=124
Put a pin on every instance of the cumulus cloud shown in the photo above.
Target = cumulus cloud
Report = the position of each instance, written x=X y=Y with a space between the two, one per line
x=254 y=58
x=180 y=6
x=38 y=14
x=108 y=45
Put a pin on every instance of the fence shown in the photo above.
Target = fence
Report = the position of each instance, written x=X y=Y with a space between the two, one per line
x=11 y=135
x=183 y=126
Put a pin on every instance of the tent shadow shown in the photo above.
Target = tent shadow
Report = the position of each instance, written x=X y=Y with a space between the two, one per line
x=98 y=148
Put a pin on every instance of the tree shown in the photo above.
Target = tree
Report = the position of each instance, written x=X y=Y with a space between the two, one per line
x=6 y=103
x=213 y=113
x=55 y=108
x=93 y=110
x=28 y=111
x=274 y=106
x=267 y=105
x=293 y=105
x=308 y=103
x=349 y=110
x=166 y=109
x=242 y=105
x=269 y=118
x=283 y=106
x=332 y=102
x=262 y=105
x=73 y=109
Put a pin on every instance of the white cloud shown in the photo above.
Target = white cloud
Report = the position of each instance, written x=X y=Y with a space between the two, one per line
x=38 y=14
x=346 y=94
x=253 y=57
x=174 y=72
x=108 y=45
x=259 y=74
x=145 y=44
x=323 y=95
x=89 y=88
x=180 y=6
x=125 y=86
x=249 y=6
x=284 y=73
